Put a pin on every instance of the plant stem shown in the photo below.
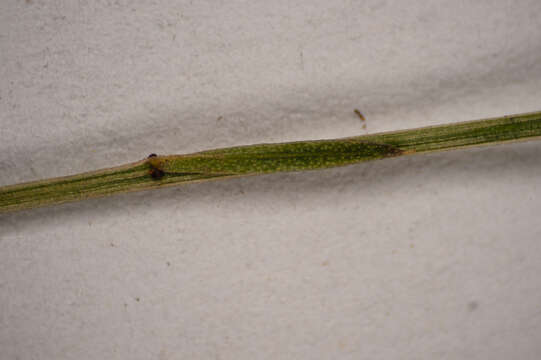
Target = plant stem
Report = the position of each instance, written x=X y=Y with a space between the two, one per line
x=160 y=171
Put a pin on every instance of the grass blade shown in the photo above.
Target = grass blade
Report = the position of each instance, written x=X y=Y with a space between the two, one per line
x=160 y=171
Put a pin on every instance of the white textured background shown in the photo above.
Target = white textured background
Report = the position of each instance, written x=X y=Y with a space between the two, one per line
x=427 y=257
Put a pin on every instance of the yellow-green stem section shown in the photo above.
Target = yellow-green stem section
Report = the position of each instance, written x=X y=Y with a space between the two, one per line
x=159 y=171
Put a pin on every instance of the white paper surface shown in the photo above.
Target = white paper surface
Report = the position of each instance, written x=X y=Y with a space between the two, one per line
x=428 y=257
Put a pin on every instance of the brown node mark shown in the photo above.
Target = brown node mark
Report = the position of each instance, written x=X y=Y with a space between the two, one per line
x=155 y=173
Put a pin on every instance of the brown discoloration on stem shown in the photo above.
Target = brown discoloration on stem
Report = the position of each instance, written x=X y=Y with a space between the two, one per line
x=155 y=172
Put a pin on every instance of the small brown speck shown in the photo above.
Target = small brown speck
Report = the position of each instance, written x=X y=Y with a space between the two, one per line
x=113 y=245
x=364 y=126
x=325 y=263
x=359 y=114
x=412 y=246
x=137 y=299
x=168 y=263
x=156 y=174
x=219 y=118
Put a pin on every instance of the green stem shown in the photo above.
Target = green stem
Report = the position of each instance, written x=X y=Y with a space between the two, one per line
x=160 y=171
